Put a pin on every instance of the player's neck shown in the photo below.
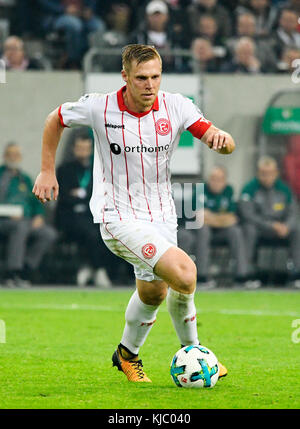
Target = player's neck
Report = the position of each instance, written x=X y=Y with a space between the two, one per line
x=132 y=105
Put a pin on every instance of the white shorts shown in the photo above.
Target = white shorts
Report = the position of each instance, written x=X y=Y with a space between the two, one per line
x=140 y=243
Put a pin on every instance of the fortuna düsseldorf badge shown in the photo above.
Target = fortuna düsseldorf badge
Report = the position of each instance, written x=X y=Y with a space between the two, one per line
x=163 y=126
x=148 y=250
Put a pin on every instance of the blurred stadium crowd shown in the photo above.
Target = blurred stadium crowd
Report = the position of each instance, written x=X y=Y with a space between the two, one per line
x=247 y=36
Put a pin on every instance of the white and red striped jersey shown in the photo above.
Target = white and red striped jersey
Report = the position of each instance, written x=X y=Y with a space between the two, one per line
x=131 y=172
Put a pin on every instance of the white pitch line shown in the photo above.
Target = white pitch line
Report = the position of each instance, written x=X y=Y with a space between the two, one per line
x=259 y=313
x=73 y=306
x=89 y=307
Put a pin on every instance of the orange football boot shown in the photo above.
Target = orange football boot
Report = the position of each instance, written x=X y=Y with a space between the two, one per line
x=222 y=370
x=132 y=368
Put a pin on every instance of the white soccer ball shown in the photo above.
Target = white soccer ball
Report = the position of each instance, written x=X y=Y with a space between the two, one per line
x=195 y=366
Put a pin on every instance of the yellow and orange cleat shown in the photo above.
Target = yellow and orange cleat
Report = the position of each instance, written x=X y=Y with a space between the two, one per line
x=133 y=368
x=222 y=370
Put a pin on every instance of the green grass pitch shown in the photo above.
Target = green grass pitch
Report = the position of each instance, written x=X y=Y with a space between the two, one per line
x=59 y=344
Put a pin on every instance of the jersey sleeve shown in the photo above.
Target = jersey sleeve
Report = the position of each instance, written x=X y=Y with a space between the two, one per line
x=77 y=113
x=192 y=118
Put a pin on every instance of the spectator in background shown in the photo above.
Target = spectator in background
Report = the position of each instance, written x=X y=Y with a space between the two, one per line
x=245 y=27
x=286 y=63
x=73 y=216
x=76 y=19
x=213 y=8
x=204 y=58
x=287 y=35
x=178 y=22
x=118 y=21
x=245 y=59
x=119 y=18
x=156 y=31
x=208 y=28
x=220 y=224
x=268 y=210
x=14 y=55
x=22 y=221
x=264 y=12
x=293 y=5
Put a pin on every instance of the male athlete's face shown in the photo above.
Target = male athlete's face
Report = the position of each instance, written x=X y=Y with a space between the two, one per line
x=143 y=82
x=267 y=174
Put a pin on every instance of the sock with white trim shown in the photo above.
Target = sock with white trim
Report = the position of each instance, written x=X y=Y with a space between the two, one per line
x=139 y=318
x=182 y=310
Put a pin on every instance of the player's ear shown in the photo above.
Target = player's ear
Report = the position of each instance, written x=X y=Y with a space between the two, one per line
x=124 y=75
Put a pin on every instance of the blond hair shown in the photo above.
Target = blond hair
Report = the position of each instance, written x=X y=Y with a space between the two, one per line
x=138 y=53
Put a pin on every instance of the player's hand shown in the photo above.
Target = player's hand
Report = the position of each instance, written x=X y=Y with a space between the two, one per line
x=219 y=140
x=45 y=187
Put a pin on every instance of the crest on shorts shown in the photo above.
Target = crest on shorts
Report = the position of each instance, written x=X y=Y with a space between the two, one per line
x=148 y=250
x=163 y=126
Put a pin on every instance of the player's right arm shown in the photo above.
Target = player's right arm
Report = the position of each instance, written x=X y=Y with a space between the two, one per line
x=67 y=115
x=46 y=183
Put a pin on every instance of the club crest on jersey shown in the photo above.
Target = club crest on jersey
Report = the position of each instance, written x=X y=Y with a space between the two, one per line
x=148 y=250
x=163 y=126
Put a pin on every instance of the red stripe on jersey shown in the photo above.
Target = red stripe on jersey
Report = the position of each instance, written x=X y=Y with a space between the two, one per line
x=125 y=157
x=199 y=128
x=142 y=162
x=157 y=175
x=111 y=159
x=61 y=118
x=167 y=165
x=115 y=238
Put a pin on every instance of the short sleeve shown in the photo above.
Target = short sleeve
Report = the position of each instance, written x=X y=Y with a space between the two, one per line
x=77 y=113
x=190 y=113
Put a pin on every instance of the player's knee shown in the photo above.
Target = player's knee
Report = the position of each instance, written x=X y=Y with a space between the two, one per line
x=187 y=278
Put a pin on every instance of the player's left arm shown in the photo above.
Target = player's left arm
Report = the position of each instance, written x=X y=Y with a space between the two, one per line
x=203 y=129
x=218 y=140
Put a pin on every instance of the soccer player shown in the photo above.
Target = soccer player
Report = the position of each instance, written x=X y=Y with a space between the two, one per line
x=136 y=130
